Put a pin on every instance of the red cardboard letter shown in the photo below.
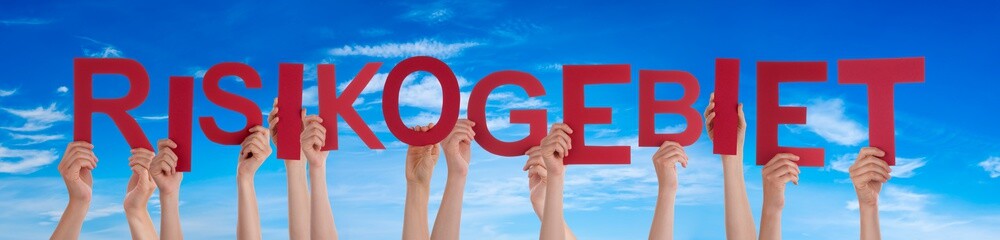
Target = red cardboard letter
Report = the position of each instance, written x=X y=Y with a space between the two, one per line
x=880 y=75
x=449 y=106
x=727 y=90
x=230 y=101
x=290 y=111
x=84 y=104
x=769 y=74
x=575 y=77
x=535 y=118
x=649 y=107
x=179 y=119
x=330 y=105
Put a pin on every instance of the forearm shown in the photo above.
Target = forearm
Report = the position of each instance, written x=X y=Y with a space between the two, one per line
x=869 y=223
x=663 y=217
x=71 y=222
x=415 y=212
x=553 y=223
x=323 y=226
x=770 y=222
x=140 y=225
x=449 y=218
x=298 y=199
x=170 y=220
x=739 y=220
x=248 y=220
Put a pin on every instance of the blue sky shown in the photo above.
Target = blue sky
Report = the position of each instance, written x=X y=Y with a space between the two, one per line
x=946 y=136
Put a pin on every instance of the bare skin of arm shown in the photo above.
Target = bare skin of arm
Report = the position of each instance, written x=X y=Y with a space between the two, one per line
x=739 y=219
x=665 y=162
x=537 y=180
x=254 y=150
x=163 y=169
x=457 y=153
x=776 y=173
x=420 y=162
x=140 y=188
x=555 y=147
x=868 y=173
x=313 y=139
x=75 y=167
x=298 y=190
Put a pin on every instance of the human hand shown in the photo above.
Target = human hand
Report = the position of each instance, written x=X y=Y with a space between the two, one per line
x=313 y=139
x=537 y=177
x=140 y=185
x=254 y=150
x=163 y=168
x=457 y=147
x=665 y=162
x=420 y=160
x=741 y=127
x=555 y=147
x=75 y=167
x=869 y=172
x=777 y=173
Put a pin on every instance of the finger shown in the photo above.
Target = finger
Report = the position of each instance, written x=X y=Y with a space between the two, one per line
x=166 y=143
x=739 y=110
x=870 y=169
x=784 y=179
x=872 y=160
x=871 y=151
x=561 y=127
x=778 y=165
x=710 y=117
x=788 y=156
x=312 y=119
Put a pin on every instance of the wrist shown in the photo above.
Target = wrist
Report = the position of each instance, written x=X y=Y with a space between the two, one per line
x=244 y=179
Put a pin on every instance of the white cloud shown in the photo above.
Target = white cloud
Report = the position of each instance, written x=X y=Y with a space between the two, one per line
x=23 y=161
x=992 y=166
x=431 y=15
x=103 y=50
x=36 y=138
x=62 y=89
x=106 y=52
x=554 y=67
x=826 y=118
x=905 y=167
x=38 y=118
x=4 y=93
x=155 y=118
x=310 y=97
x=426 y=93
x=376 y=84
x=672 y=129
x=423 y=47
x=25 y=21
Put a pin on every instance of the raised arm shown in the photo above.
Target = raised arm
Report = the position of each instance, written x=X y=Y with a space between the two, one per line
x=140 y=188
x=164 y=173
x=457 y=153
x=77 y=162
x=776 y=173
x=313 y=138
x=869 y=172
x=420 y=162
x=254 y=150
x=555 y=147
x=537 y=179
x=298 y=190
x=739 y=220
x=665 y=161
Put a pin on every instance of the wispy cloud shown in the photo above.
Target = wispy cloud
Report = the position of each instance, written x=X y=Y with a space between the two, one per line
x=155 y=118
x=429 y=15
x=62 y=89
x=22 y=161
x=25 y=21
x=36 y=138
x=905 y=167
x=98 y=49
x=38 y=118
x=423 y=47
x=4 y=93
x=992 y=166
x=827 y=119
